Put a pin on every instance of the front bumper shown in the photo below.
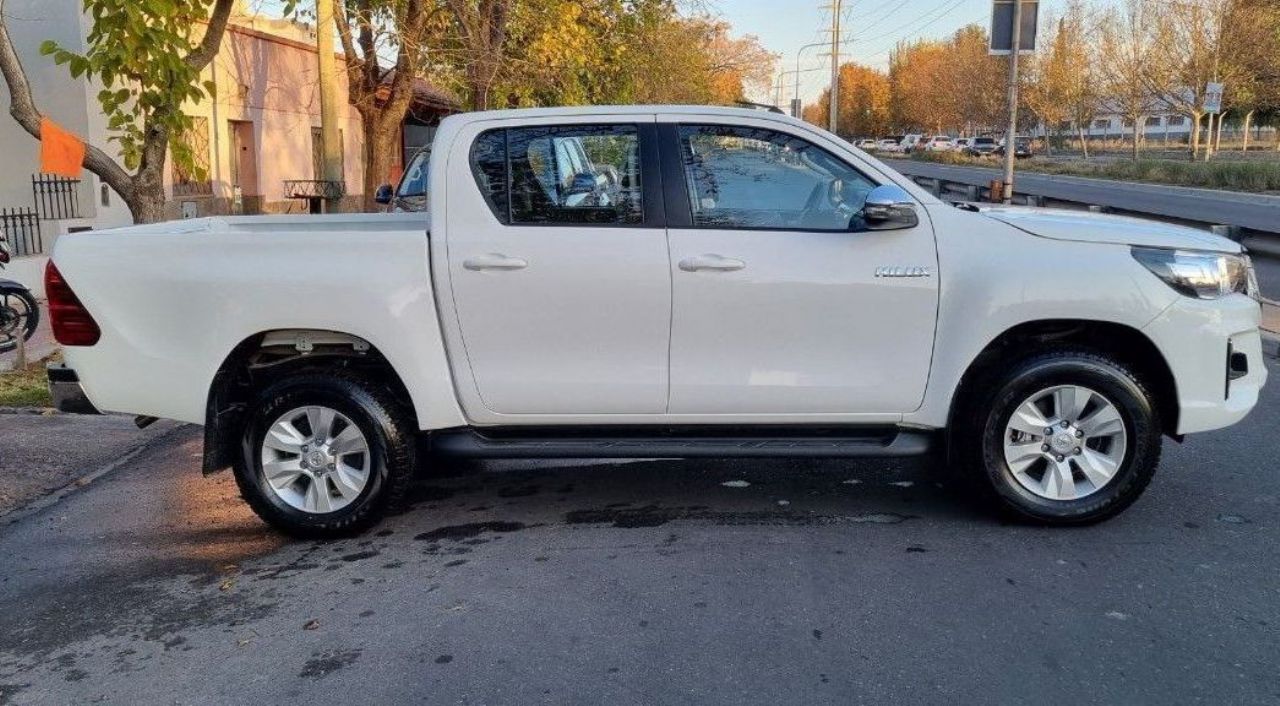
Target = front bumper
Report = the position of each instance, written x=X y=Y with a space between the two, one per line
x=64 y=387
x=1214 y=350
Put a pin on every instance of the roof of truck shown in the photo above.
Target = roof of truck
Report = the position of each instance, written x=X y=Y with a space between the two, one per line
x=577 y=110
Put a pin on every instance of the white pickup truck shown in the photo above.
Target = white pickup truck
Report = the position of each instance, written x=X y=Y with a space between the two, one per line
x=663 y=282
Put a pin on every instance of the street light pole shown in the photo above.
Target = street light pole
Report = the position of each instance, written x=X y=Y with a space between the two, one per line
x=834 y=109
x=330 y=138
x=1010 y=138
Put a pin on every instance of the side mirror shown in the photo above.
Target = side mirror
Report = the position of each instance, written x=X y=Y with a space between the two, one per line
x=889 y=207
x=383 y=194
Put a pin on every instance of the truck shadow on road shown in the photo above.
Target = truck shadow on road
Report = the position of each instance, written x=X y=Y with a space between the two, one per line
x=651 y=493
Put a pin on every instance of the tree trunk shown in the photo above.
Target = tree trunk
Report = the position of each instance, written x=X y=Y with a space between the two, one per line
x=1084 y=141
x=1195 y=136
x=1134 y=140
x=1248 y=118
x=381 y=148
x=1217 y=140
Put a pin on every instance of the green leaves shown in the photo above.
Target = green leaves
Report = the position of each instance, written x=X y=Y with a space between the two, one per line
x=138 y=50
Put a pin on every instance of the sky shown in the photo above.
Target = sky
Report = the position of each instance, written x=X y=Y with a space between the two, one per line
x=871 y=28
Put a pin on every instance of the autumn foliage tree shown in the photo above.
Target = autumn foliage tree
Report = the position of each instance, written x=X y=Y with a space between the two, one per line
x=864 y=102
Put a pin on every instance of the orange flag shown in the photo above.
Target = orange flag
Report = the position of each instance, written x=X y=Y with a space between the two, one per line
x=61 y=152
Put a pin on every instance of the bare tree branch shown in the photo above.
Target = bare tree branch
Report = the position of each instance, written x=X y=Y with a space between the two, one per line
x=208 y=47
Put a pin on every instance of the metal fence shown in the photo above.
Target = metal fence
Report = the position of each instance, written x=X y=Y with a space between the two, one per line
x=55 y=197
x=21 y=228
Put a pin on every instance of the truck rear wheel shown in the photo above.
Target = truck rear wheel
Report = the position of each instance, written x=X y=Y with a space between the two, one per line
x=325 y=455
x=1063 y=438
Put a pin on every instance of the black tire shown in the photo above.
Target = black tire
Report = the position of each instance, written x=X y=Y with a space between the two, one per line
x=29 y=325
x=981 y=429
x=385 y=424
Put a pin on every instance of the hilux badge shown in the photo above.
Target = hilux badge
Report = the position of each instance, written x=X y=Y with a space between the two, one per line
x=902 y=272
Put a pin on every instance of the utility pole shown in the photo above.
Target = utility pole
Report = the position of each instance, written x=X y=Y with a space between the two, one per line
x=834 y=109
x=330 y=138
x=1010 y=141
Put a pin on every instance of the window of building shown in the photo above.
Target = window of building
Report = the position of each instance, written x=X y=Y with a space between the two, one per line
x=1127 y=122
x=1102 y=124
x=1176 y=120
x=742 y=177
x=1153 y=121
x=191 y=144
x=575 y=174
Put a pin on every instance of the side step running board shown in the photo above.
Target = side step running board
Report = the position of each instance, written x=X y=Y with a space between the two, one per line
x=471 y=443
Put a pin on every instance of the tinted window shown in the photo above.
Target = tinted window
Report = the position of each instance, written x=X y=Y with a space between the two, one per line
x=755 y=178
x=489 y=166
x=574 y=174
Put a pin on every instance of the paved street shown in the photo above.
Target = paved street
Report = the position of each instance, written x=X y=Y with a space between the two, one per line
x=1259 y=212
x=653 y=582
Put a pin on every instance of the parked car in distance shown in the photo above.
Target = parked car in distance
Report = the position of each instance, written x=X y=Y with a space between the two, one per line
x=865 y=143
x=912 y=142
x=939 y=143
x=719 y=282
x=982 y=146
x=1021 y=147
x=892 y=143
x=961 y=144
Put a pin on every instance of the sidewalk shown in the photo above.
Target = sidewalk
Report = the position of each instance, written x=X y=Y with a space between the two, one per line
x=47 y=453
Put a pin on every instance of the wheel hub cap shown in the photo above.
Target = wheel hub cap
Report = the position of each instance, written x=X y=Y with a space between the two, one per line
x=1065 y=442
x=315 y=459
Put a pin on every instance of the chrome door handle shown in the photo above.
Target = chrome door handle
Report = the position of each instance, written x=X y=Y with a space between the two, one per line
x=494 y=261
x=713 y=262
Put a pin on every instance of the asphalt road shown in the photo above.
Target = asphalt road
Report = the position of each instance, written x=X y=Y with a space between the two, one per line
x=653 y=582
x=1268 y=269
x=1259 y=212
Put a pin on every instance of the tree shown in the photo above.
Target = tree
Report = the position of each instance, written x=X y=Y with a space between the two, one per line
x=367 y=29
x=144 y=57
x=1049 y=79
x=481 y=27
x=1187 y=57
x=978 y=79
x=1251 y=43
x=1080 y=94
x=1126 y=66
x=864 y=102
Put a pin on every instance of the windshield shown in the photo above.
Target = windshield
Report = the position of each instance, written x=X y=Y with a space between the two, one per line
x=414 y=181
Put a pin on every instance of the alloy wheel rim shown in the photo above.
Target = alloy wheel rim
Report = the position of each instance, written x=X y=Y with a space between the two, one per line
x=1065 y=442
x=315 y=459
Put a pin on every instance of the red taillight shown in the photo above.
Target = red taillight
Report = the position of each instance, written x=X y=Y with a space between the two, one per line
x=72 y=323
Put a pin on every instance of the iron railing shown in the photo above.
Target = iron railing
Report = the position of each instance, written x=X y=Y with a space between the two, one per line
x=56 y=197
x=21 y=228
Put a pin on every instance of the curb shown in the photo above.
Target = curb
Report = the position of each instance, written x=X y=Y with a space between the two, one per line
x=53 y=498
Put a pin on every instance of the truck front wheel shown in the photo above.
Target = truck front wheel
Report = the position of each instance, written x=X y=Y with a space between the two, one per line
x=1063 y=438
x=325 y=454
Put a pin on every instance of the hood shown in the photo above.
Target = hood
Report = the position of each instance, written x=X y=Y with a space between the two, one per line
x=1089 y=227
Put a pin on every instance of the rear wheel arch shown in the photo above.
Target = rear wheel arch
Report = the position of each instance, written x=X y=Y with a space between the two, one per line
x=265 y=357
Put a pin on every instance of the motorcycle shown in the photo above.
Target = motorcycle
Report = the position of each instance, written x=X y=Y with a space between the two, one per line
x=19 y=313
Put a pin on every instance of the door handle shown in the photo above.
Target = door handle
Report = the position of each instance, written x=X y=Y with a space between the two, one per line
x=718 y=263
x=494 y=261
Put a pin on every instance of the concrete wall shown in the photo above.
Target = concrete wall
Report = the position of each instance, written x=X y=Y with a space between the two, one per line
x=60 y=97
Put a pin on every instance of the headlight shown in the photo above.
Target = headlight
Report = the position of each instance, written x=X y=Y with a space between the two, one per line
x=1205 y=275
